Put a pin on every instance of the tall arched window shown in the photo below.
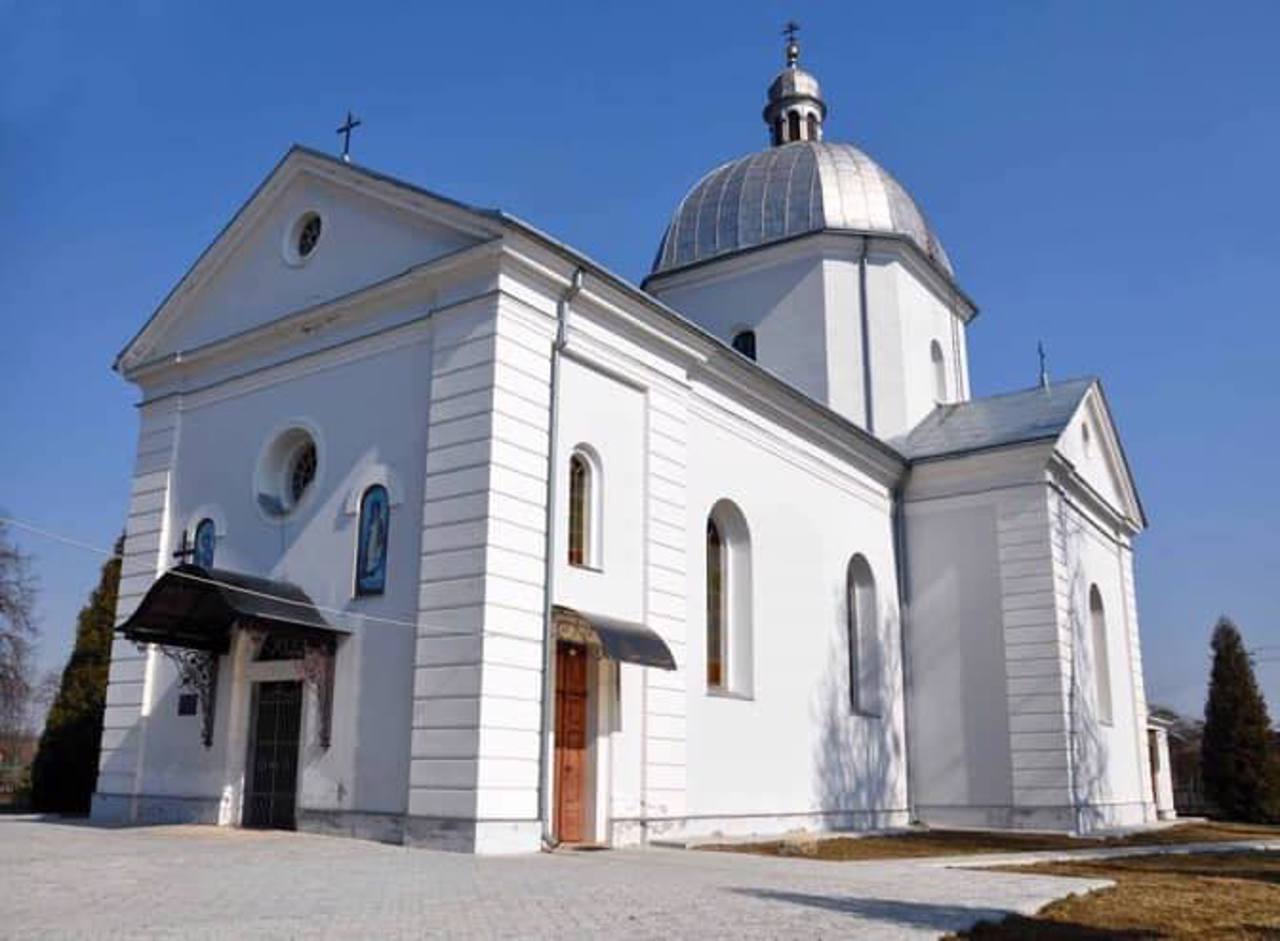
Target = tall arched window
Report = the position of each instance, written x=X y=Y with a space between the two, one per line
x=584 y=500
x=1101 y=656
x=715 y=606
x=205 y=543
x=729 y=601
x=371 y=548
x=793 y=126
x=812 y=126
x=939 y=372
x=862 y=622
x=777 y=131
x=744 y=341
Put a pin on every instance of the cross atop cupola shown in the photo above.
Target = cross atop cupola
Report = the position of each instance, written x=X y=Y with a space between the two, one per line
x=795 y=111
x=793 y=47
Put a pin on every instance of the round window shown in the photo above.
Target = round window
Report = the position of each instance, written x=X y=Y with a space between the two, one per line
x=302 y=237
x=302 y=470
x=308 y=235
x=286 y=471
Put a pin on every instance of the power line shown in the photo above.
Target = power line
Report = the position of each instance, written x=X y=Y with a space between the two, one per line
x=339 y=612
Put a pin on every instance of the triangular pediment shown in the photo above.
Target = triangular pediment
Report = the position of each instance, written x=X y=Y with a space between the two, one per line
x=1092 y=446
x=371 y=229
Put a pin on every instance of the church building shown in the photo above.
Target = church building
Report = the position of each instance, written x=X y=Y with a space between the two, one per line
x=442 y=534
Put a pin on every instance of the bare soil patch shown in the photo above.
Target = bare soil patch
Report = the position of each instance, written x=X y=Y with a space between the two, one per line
x=1201 y=896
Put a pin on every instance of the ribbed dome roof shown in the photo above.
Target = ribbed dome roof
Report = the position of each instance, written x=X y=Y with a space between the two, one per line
x=800 y=187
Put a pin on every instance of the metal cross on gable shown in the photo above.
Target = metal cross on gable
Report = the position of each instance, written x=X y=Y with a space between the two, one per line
x=349 y=125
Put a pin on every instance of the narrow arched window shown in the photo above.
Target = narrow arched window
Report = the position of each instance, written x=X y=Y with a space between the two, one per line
x=205 y=543
x=777 y=131
x=1101 y=656
x=793 y=126
x=744 y=341
x=371 y=552
x=729 y=601
x=862 y=624
x=811 y=123
x=939 y=365
x=715 y=606
x=579 y=509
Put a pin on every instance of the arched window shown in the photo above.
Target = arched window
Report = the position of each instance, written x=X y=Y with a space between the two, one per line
x=728 y=600
x=715 y=605
x=793 y=126
x=1101 y=656
x=777 y=131
x=744 y=341
x=205 y=543
x=862 y=622
x=812 y=126
x=939 y=372
x=579 y=508
x=371 y=551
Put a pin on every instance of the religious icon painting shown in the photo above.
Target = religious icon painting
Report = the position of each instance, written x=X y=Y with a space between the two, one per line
x=371 y=555
x=206 y=541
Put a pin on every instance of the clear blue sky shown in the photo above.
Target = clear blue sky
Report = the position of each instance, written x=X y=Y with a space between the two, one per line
x=1102 y=174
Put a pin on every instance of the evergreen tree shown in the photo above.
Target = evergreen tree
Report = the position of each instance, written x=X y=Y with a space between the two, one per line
x=66 y=765
x=1236 y=760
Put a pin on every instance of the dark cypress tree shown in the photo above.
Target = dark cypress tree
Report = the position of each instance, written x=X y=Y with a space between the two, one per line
x=1236 y=759
x=66 y=765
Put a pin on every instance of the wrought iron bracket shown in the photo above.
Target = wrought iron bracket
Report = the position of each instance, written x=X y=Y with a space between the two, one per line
x=198 y=673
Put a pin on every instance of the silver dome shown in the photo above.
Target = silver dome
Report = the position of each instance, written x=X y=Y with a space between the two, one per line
x=794 y=83
x=801 y=187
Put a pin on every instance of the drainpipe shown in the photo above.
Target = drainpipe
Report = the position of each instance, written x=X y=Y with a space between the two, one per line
x=904 y=616
x=571 y=292
x=866 y=336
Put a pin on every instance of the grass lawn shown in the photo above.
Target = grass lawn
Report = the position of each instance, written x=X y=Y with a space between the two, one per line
x=1212 y=895
x=960 y=842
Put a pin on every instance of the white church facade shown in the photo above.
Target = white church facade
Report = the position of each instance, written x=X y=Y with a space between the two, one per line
x=442 y=534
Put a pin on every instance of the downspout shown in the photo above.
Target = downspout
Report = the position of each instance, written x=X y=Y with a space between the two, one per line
x=571 y=292
x=904 y=616
x=865 y=316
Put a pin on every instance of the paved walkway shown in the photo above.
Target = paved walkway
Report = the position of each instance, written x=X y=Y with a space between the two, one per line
x=68 y=880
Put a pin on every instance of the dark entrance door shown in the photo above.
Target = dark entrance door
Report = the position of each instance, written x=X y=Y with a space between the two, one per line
x=270 y=797
x=571 y=741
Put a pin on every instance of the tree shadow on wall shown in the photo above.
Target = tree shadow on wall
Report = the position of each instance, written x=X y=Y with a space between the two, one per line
x=859 y=760
x=1089 y=753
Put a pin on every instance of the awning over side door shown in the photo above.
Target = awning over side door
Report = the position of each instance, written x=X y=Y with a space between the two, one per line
x=627 y=641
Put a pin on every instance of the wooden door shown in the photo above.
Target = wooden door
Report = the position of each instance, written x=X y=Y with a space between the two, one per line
x=271 y=795
x=571 y=742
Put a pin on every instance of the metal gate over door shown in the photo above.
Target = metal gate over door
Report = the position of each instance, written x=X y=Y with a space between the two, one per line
x=272 y=792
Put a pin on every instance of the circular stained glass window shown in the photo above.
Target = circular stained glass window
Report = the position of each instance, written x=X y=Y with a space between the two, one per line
x=308 y=235
x=302 y=470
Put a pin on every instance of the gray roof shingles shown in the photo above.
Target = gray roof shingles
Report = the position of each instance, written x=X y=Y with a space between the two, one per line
x=999 y=420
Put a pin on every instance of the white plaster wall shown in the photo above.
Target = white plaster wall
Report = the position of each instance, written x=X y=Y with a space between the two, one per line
x=479 y=659
x=979 y=525
x=1112 y=777
x=804 y=301
x=608 y=416
x=960 y=755
x=793 y=751
x=145 y=555
x=366 y=412
x=783 y=300
x=1095 y=461
x=362 y=241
